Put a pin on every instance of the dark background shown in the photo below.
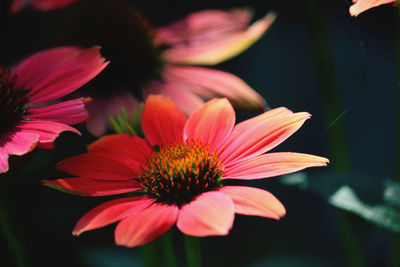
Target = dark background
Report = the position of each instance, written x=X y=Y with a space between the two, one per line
x=281 y=67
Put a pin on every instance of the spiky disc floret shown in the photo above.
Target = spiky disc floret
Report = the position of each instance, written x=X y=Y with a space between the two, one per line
x=178 y=172
x=13 y=101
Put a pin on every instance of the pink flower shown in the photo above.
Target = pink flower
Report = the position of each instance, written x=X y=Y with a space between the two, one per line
x=181 y=169
x=360 y=6
x=43 y=5
x=25 y=91
x=160 y=58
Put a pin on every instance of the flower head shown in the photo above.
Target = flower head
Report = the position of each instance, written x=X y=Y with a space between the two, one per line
x=180 y=169
x=27 y=119
x=149 y=60
x=360 y=6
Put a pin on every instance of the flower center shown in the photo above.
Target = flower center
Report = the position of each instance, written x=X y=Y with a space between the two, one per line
x=177 y=173
x=13 y=101
x=126 y=39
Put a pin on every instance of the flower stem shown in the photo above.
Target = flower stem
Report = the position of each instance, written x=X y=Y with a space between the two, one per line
x=149 y=255
x=193 y=253
x=168 y=248
x=8 y=232
x=332 y=109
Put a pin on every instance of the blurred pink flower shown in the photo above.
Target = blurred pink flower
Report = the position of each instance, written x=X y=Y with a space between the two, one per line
x=202 y=38
x=43 y=5
x=25 y=91
x=360 y=6
x=181 y=168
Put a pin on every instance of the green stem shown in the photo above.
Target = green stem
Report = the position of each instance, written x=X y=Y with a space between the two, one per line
x=168 y=248
x=193 y=253
x=332 y=110
x=8 y=232
x=149 y=255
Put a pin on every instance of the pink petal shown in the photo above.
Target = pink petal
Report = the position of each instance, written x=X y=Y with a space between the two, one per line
x=146 y=225
x=103 y=166
x=209 y=83
x=162 y=121
x=56 y=72
x=211 y=213
x=360 y=6
x=3 y=161
x=206 y=24
x=110 y=212
x=126 y=145
x=48 y=131
x=48 y=5
x=18 y=143
x=91 y=187
x=212 y=123
x=216 y=50
x=272 y=164
x=258 y=135
x=254 y=201
x=98 y=120
x=186 y=100
x=17 y=5
x=69 y=112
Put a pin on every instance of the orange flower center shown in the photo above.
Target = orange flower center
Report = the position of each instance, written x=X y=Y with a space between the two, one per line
x=13 y=101
x=178 y=172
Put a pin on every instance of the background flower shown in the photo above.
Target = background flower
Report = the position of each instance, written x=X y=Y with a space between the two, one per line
x=360 y=6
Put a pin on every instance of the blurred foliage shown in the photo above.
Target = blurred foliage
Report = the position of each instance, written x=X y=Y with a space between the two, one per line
x=375 y=200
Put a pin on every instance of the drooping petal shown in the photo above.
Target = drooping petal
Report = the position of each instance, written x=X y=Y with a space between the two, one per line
x=260 y=135
x=56 y=72
x=110 y=212
x=272 y=164
x=216 y=50
x=162 y=121
x=3 y=161
x=146 y=225
x=18 y=143
x=204 y=25
x=186 y=100
x=209 y=83
x=92 y=187
x=254 y=201
x=48 y=5
x=68 y=112
x=126 y=145
x=211 y=213
x=212 y=123
x=360 y=6
x=98 y=165
x=48 y=131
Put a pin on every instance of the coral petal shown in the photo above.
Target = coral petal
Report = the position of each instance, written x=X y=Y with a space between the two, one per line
x=212 y=123
x=360 y=6
x=146 y=225
x=272 y=164
x=103 y=166
x=125 y=145
x=110 y=212
x=162 y=121
x=211 y=213
x=261 y=135
x=91 y=187
x=3 y=161
x=254 y=201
